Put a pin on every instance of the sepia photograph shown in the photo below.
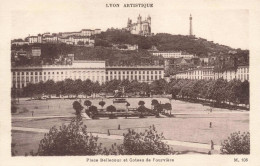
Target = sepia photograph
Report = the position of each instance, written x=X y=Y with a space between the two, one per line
x=118 y=78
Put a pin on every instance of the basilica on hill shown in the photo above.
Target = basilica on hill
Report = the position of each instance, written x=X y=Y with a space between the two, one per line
x=141 y=27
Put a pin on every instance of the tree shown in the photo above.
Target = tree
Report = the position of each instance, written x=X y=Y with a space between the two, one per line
x=60 y=87
x=68 y=86
x=77 y=87
x=13 y=109
x=141 y=109
x=87 y=103
x=102 y=103
x=86 y=87
x=111 y=109
x=50 y=87
x=154 y=102
x=72 y=140
x=141 y=103
x=244 y=93
x=168 y=106
x=159 y=86
x=80 y=43
x=96 y=88
x=93 y=110
x=148 y=142
x=217 y=91
x=77 y=107
x=236 y=144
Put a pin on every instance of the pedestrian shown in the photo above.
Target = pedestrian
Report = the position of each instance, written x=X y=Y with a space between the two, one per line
x=212 y=145
x=209 y=153
x=210 y=125
x=32 y=113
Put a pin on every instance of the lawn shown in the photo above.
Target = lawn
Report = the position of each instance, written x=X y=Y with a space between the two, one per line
x=191 y=124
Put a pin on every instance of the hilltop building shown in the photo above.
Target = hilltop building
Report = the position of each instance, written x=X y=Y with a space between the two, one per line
x=141 y=27
x=173 y=54
x=82 y=37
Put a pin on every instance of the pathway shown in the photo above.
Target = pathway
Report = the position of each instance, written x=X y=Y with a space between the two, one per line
x=42 y=117
x=119 y=137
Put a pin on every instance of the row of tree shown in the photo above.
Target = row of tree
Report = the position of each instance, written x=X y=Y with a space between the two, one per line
x=219 y=90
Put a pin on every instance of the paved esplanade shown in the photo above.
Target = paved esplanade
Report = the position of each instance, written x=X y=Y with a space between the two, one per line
x=119 y=137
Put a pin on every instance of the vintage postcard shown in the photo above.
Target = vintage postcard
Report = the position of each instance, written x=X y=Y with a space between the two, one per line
x=129 y=82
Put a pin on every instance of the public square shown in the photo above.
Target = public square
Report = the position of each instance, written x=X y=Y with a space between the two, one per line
x=188 y=132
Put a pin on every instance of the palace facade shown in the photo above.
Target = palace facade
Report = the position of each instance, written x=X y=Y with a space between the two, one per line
x=207 y=73
x=146 y=74
x=95 y=71
x=92 y=70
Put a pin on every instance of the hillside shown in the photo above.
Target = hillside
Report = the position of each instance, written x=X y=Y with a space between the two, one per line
x=164 y=42
x=104 y=49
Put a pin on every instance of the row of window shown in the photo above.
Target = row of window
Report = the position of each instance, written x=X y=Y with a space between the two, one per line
x=134 y=72
x=58 y=72
x=138 y=78
x=243 y=70
x=45 y=78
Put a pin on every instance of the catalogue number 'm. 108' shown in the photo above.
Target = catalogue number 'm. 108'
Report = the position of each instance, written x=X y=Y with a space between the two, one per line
x=242 y=160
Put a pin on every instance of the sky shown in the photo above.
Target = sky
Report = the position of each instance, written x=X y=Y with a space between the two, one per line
x=224 y=26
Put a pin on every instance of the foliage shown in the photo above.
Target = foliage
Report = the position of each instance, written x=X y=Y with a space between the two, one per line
x=111 y=109
x=141 y=103
x=236 y=144
x=87 y=103
x=93 y=110
x=77 y=107
x=167 y=106
x=141 y=109
x=218 y=91
x=13 y=151
x=102 y=103
x=162 y=41
x=13 y=109
x=72 y=139
x=148 y=142
x=154 y=102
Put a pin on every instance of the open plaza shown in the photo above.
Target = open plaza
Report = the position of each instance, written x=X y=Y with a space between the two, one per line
x=187 y=132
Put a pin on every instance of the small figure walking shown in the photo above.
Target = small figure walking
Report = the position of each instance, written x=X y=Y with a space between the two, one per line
x=210 y=125
x=209 y=153
x=212 y=145
x=32 y=113
x=119 y=127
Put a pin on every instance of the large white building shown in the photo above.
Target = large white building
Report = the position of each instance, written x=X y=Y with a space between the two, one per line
x=146 y=74
x=170 y=54
x=141 y=27
x=63 y=37
x=92 y=70
x=207 y=73
x=242 y=73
